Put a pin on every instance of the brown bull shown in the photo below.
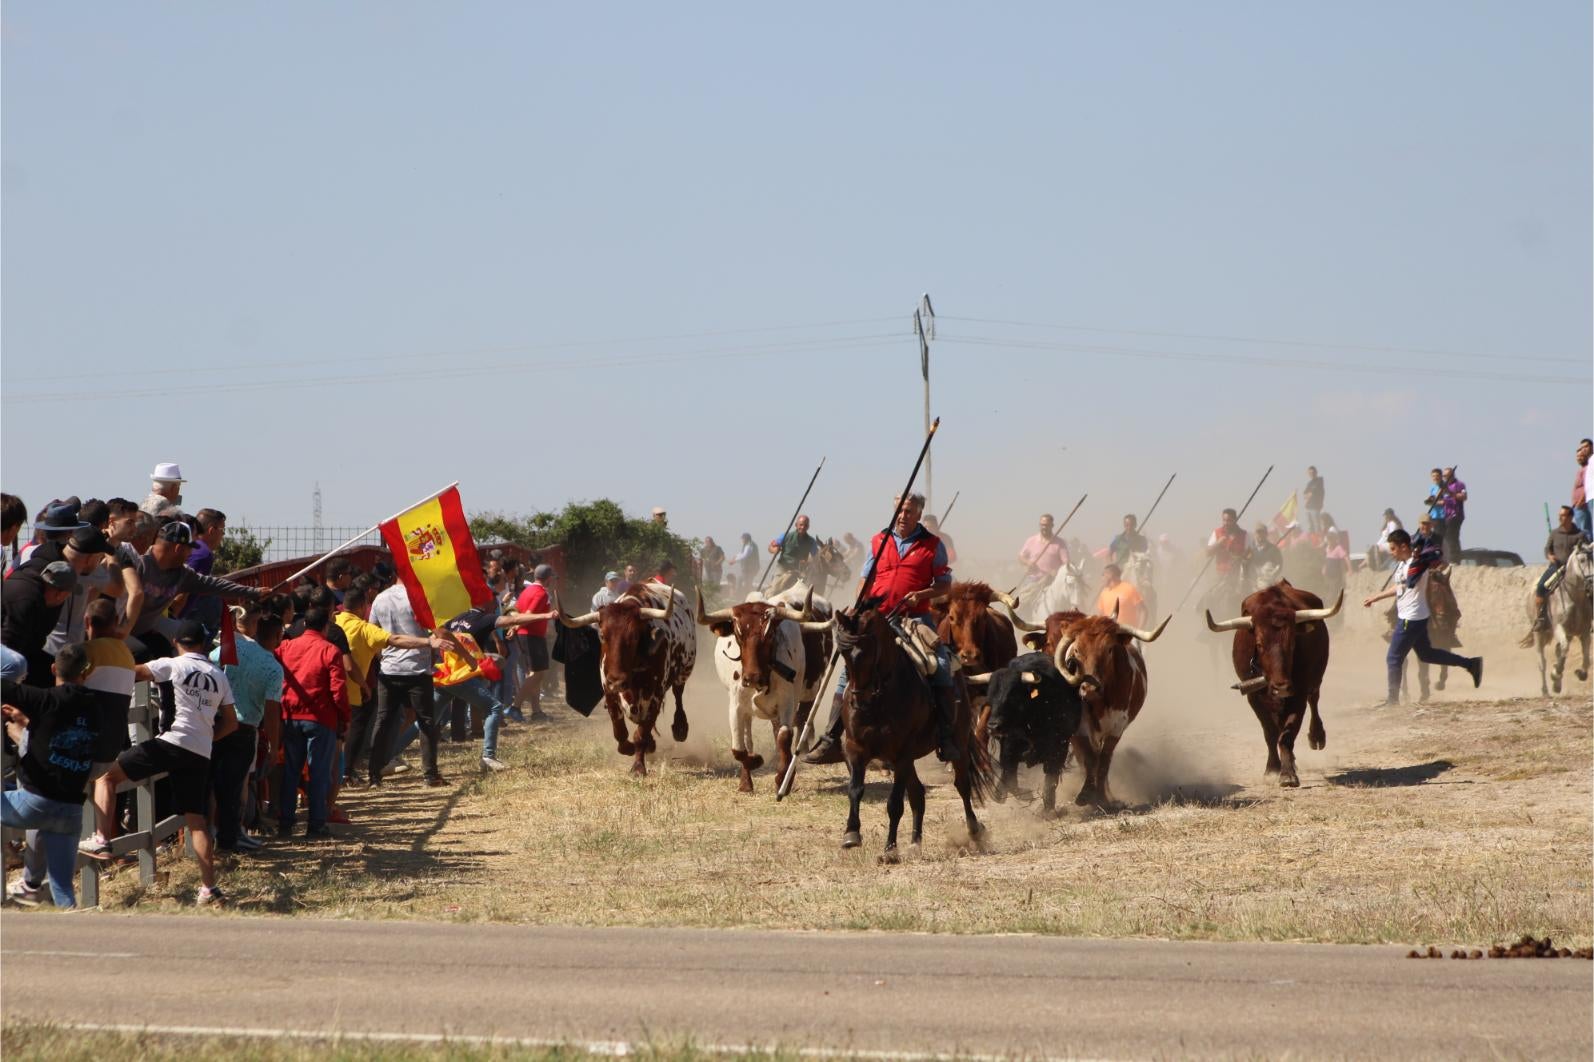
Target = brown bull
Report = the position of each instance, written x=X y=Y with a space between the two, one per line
x=1099 y=656
x=981 y=636
x=1280 y=655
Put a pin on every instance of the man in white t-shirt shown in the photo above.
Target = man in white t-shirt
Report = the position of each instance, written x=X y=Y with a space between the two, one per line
x=1409 y=588
x=204 y=715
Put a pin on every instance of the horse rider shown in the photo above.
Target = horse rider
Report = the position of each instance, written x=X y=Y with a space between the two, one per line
x=1558 y=548
x=1043 y=554
x=1228 y=546
x=1263 y=553
x=793 y=552
x=1128 y=541
x=912 y=572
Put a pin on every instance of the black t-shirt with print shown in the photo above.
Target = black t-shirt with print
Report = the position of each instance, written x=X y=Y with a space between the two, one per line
x=64 y=724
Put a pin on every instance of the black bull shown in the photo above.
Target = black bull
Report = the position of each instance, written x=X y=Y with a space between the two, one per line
x=1034 y=713
x=1280 y=654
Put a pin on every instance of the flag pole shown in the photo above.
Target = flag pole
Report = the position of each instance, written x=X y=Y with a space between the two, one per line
x=313 y=565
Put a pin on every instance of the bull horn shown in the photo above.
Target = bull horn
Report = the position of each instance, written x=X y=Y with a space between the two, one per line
x=1242 y=623
x=1307 y=615
x=1146 y=636
x=661 y=613
x=818 y=625
x=981 y=679
x=1060 y=657
x=1005 y=598
x=808 y=604
x=705 y=618
x=1025 y=625
x=586 y=620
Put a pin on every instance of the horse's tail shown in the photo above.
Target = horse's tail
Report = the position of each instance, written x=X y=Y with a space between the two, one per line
x=982 y=772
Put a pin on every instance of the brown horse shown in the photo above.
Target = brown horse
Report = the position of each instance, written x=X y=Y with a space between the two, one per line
x=890 y=716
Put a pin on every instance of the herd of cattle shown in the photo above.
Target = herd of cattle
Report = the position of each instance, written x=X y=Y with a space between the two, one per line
x=1038 y=691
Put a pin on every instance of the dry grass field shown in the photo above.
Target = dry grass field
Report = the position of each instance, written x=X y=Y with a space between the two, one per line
x=1467 y=821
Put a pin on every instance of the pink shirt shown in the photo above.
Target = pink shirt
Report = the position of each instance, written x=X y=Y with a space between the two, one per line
x=1045 y=556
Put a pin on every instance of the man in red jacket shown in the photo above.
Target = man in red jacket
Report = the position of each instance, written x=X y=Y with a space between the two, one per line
x=913 y=572
x=315 y=714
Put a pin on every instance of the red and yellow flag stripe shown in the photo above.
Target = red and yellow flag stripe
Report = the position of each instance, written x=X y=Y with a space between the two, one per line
x=435 y=558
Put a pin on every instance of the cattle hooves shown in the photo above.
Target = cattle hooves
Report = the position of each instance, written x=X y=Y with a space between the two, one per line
x=1582 y=675
x=678 y=730
x=625 y=748
x=890 y=857
x=746 y=785
x=1317 y=741
x=851 y=839
x=1289 y=781
x=639 y=770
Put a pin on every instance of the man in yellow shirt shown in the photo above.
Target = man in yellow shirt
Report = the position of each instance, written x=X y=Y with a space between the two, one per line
x=366 y=642
x=1116 y=593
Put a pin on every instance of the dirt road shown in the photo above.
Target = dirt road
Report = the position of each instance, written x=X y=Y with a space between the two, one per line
x=843 y=991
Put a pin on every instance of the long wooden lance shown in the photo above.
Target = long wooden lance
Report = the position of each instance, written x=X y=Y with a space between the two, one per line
x=1240 y=516
x=949 y=506
x=864 y=586
x=1070 y=515
x=1165 y=486
x=795 y=514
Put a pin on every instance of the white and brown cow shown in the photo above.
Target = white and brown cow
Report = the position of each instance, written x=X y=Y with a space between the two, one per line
x=762 y=659
x=649 y=647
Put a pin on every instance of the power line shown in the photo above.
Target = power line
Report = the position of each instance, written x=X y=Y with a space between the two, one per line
x=1277 y=363
x=1317 y=344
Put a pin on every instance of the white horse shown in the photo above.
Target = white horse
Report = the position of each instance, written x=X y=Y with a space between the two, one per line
x=1067 y=590
x=1570 y=611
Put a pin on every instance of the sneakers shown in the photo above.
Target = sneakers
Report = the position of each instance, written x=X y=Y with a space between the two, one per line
x=210 y=896
x=95 y=847
x=435 y=781
x=515 y=714
x=247 y=843
x=1475 y=669
x=398 y=767
x=492 y=763
x=22 y=893
x=317 y=833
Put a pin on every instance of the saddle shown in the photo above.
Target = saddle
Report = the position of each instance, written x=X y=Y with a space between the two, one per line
x=919 y=640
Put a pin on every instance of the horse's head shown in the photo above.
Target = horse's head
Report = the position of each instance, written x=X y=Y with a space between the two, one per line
x=867 y=642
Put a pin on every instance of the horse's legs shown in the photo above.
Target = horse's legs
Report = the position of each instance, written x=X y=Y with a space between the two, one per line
x=1582 y=672
x=915 y=800
x=1540 y=641
x=853 y=836
x=964 y=782
x=894 y=805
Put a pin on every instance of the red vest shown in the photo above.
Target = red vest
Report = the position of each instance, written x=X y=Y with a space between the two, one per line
x=895 y=577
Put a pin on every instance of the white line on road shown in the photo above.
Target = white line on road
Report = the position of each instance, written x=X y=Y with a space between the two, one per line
x=614 y=1048
x=77 y=954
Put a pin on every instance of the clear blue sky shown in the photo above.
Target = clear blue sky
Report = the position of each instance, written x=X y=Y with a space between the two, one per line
x=385 y=246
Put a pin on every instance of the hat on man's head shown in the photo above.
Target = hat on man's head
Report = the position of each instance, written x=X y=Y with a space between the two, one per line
x=90 y=539
x=658 y=510
x=191 y=632
x=168 y=472
x=543 y=571
x=609 y=577
x=177 y=533
x=62 y=516
x=58 y=575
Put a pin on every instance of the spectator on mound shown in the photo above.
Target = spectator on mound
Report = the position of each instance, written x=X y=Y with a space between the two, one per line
x=1434 y=504
x=56 y=731
x=713 y=560
x=664 y=574
x=1312 y=501
x=1580 y=491
x=315 y=712
x=165 y=498
x=746 y=563
x=1120 y=596
x=1455 y=506
x=203 y=715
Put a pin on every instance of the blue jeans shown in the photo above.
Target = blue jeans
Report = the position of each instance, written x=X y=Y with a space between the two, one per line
x=52 y=827
x=301 y=739
x=1582 y=520
x=1412 y=636
x=13 y=665
x=476 y=693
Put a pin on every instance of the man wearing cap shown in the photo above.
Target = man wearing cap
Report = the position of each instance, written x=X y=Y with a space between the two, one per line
x=536 y=601
x=32 y=601
x=204 y=715
x=609 y=592
x=87 y=551
x=661 y=517
x=165 y=576
x=165 y=492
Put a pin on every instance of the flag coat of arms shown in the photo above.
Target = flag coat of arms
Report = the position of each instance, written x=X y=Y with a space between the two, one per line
x=435 y=558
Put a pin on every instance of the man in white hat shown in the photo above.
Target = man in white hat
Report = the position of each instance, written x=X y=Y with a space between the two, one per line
x=165 y=492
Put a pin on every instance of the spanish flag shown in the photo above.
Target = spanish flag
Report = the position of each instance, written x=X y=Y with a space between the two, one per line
x=1285 y=518
x=435 y=558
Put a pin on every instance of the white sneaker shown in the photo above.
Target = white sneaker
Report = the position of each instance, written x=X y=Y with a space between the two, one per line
x=210 y=896
x=22 y=893
x=491 y=764
x=95 y=847
x=398 y=767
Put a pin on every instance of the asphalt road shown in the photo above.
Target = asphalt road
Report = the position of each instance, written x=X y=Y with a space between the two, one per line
x=908 y=994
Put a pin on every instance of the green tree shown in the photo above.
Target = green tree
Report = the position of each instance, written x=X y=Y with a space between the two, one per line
x=240 y=549
x=595 y=536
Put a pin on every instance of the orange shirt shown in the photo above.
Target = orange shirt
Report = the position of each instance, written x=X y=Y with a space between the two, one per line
x=1131 y=606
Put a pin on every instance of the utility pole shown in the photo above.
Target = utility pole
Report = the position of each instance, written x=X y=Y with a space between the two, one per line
x=315 y=520
x=924 y=328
